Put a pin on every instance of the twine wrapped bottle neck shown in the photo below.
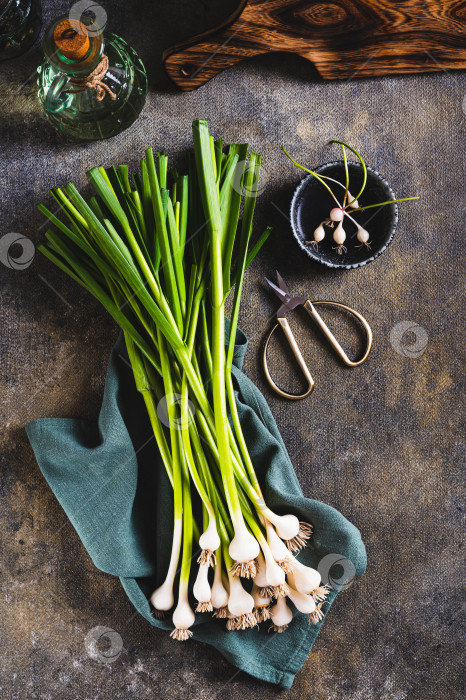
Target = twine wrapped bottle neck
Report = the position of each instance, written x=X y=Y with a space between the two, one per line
x=94 y=81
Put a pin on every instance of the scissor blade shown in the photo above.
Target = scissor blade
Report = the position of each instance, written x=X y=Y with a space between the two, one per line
x=281 y=283
x=283 y=296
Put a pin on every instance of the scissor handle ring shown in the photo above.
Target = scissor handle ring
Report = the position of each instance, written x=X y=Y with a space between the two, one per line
x=296 y=352
x=333 y=341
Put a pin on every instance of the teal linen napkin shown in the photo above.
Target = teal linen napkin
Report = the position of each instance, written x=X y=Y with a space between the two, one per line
x=109 y=479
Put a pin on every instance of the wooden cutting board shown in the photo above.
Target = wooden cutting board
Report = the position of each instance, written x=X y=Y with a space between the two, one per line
x=343 y=39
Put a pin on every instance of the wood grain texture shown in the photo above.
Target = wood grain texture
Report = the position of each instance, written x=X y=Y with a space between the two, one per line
x=343 y=39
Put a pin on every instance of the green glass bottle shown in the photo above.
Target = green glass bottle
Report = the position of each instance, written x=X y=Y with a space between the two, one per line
x=20 y=21
x=91 y=85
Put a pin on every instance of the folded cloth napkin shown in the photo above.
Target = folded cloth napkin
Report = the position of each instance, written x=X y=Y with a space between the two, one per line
x=110 y=480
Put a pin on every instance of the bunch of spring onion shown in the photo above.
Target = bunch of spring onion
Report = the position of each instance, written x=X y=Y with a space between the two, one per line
x=159 y=256
x=343 y=208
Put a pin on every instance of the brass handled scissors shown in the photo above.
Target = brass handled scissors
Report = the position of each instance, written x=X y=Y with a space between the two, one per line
x=290 y=303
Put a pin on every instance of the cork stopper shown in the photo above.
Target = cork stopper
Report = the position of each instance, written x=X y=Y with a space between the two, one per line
x=72 y=39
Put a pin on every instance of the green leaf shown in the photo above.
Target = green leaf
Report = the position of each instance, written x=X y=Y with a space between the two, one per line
x=206 y=177
x=238 y=152
x=177 y=255
x=184 y=202
x=163 y=240
x=128 y=271
x=251 y=185
x=124 y=177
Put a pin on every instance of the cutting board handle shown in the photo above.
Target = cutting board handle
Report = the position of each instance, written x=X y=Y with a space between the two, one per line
x=342 y=38
x=193 y=63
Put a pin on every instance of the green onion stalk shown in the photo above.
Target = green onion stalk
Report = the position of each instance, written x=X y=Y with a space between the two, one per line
x=162 y=253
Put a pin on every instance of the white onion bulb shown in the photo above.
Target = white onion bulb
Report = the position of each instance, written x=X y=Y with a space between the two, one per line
x=339 y=235
x=218 y=594
x=337 y=214
x=239 y=602
x=274 y=574
x=183 y=617
x=303 y=602
x=280 y=613
x=201 y=588
x=287 y=526
x=319 y=234
x=244 y=546
x=260 y=579
x=362 y=235
x=304 y=578
x=162 y=598
x=209 y=538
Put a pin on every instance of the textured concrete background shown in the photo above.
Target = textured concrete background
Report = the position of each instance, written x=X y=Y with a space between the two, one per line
x=381 y=443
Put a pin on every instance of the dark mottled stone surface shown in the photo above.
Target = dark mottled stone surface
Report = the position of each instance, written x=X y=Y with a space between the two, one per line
x=382 y=443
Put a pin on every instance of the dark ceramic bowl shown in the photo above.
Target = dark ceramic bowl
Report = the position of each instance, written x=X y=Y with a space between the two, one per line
x=312 y=202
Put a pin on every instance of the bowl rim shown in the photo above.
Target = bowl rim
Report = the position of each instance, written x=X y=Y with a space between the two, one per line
x=308 y=249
